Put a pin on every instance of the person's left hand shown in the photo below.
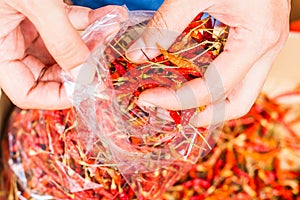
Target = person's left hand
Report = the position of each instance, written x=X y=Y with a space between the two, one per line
x=38 y=39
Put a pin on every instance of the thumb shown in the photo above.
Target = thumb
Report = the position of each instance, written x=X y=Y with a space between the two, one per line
x=166 y=25
x=60 y=37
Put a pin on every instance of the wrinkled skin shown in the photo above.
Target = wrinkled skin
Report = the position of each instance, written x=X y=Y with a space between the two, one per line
x=36 y=34
x=258 y=31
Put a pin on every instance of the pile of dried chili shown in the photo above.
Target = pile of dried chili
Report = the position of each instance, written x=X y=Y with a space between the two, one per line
x=44 y=159
x=257 y=157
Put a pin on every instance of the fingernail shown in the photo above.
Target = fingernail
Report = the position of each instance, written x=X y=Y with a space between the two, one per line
x=84 y=73
x=135 y=55
x=145 y=105
x=139 y=53
x=164 y=114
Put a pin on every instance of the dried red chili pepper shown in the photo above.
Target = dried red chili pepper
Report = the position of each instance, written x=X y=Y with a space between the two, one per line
x=175 y=116
x=188 y=73
x=247 y=163
x=119 y=68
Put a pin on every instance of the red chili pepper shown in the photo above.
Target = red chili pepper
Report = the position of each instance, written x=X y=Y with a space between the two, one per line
x=130 y=66
x=188 y=184
x=198 y=182
x=115 y=76
x=186 y=72
x=197 y=197
x=127 y=88
x=163 y=81
x=218 y=166
x=148 y=83
x=186 y=116
x=133 y=73
x=208 y=35
x=123 y=196
x=175 y=116
x=149 y=86
x=120 y=68
x=198 y=17
x=197 y=35
x=159 y=58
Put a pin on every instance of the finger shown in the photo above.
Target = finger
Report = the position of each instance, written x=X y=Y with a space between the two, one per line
x=10 y=19
x=82 y=17
x=29 y=31
x=99 y=33
x=42 y=72
x=165 y=26
x=18 y=82
x=62 y=40
x=221 y=76
x=240 y=99
x=35 y=44
x=34 y=66
x=93 y=37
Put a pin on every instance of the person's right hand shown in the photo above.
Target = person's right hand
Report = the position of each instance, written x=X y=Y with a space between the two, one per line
x=37 y=35
x=232 y=82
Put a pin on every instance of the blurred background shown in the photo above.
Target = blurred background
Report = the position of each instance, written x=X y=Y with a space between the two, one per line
x=295 y=13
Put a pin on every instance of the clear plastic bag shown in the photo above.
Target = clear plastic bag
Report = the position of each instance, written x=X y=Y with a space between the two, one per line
x=108 y=109
x=137 y=140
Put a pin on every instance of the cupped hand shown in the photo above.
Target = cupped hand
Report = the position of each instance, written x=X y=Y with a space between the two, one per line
x=38 y=39
x=232 y=82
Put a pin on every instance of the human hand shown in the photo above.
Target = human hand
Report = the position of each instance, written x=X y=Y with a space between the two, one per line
x=38 y=40
x=232 y=82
